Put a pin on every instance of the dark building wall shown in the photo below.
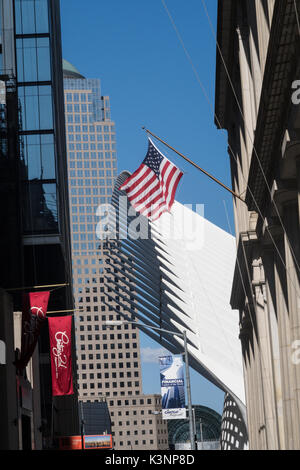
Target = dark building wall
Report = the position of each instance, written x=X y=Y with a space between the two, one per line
x=96 y=418
x=35 y=239
x=11 y=258
x=9 y=437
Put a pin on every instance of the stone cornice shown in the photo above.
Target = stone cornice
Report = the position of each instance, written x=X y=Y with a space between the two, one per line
x=240 y=279
x=226 y=30
x=275 y=100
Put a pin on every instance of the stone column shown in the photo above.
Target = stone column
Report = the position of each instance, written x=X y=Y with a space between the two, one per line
x=268 y=427
x=270 y=295
x=284 y=345
x=246 y=335
x=253 y=381
x=292 y=254
x=247 y=90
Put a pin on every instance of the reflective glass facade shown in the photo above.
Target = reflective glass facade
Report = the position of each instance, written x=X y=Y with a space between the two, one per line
x=37 y=128
x=34 y=240
x=1 y=58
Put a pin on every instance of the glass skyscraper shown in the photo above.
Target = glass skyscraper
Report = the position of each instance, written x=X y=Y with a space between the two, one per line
x=38 y=122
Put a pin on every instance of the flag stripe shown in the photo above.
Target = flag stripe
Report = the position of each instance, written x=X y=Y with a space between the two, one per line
x=146 y=199
x=140 y=182
x=160 y=209
x=154 y=207
x=164 y=167
x=153 y=219
x=134 y=177
x=166 y=189
x=153 y=199
x=177 y=178
x=152 y=187
x=168 y=182
x=143 y=189
x=149 y=210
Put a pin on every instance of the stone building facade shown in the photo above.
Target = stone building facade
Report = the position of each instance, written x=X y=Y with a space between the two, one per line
x=257 y=103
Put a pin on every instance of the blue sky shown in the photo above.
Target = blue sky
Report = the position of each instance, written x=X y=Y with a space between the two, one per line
x=132 y=47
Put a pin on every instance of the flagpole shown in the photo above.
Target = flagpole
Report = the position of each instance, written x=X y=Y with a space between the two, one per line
x=14 y=289
x=65 y=311
x=195 y=165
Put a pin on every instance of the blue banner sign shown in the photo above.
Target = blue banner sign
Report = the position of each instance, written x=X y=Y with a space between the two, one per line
x=172 y=387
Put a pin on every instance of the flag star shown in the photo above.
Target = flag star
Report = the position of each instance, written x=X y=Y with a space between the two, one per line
x=153 y=160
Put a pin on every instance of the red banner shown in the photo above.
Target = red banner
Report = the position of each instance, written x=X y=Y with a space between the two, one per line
x=60 y=329
x=34 y=312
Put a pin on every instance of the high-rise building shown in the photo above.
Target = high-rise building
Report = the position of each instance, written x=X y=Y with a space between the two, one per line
x=108 y=360
x=92 y=168
x=35 y=239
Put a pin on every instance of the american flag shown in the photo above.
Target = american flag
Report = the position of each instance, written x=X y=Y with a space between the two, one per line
x=151 y=188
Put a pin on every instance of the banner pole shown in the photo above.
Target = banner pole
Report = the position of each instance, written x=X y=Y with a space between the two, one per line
x=189 y=395
x=65 y=311
x=195 y=165
x=52 y=423
x=82 y=426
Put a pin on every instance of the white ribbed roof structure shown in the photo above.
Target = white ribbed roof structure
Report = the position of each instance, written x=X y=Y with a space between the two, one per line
x=182 y=275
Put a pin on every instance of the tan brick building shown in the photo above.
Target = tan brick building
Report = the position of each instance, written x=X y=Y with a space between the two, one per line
x=108 y=359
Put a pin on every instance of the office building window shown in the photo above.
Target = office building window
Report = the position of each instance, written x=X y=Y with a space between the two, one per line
x=36 y=107
x=31 y=16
